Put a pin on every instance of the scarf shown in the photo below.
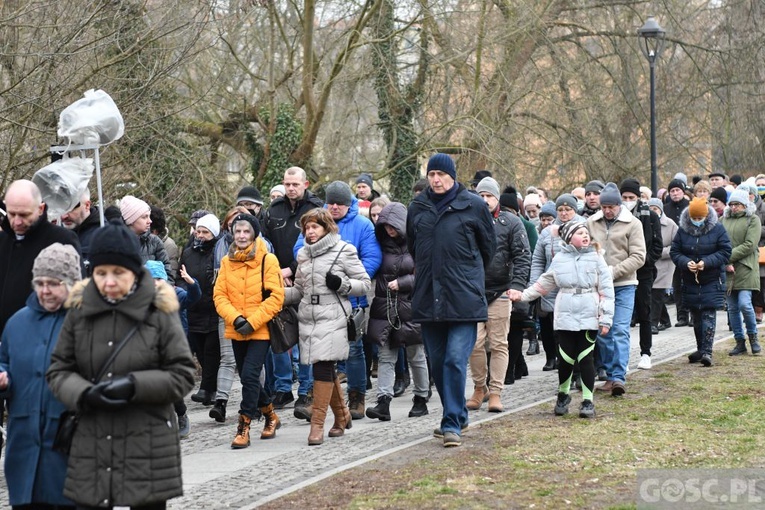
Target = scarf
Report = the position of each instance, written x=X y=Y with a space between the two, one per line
x=442 y=200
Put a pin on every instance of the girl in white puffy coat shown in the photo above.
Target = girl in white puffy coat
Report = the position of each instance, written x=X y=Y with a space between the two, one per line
x=584 y=305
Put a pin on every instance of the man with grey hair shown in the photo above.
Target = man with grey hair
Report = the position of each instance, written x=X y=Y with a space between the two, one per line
x=26 y=231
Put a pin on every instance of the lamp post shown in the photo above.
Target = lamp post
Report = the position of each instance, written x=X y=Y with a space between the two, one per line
x=652 y=42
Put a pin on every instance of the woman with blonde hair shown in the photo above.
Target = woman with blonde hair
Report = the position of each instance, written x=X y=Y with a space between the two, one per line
x=328 y=271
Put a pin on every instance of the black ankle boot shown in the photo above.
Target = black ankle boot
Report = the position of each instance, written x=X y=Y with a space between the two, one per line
x=382 y=410
x=419 y=407
x=218 y=412
x=550 y=365
x=533 y=347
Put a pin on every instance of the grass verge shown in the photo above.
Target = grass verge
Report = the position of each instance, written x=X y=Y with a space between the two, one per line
x=677 y=415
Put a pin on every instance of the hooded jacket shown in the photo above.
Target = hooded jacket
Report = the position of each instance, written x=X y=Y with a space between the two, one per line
x=623 y=242
x=131 y=456
x=33 y=471
x=451 y=250
x=585 y=299
x=322 y=312
x=703 y=290
x=152 y=248
x=744 y=234
x=390 y=316
x=239 y=289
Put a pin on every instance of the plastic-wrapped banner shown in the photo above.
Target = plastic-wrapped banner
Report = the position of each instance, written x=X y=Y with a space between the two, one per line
x=92 y=120
x=62 y=183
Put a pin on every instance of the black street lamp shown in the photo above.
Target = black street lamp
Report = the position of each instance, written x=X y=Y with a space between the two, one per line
x=652 y=42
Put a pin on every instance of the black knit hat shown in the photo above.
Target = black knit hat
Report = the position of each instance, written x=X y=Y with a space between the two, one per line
x=115 y=244
x=676 y=183
x=249 y=194
x=720 y=194
x=249 y=218
x=509 y=199
x=630 y=185
x=479 y=176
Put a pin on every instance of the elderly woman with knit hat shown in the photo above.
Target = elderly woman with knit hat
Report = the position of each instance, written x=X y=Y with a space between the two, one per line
x=743 y=270
x=199 y=260
x=701 y=249
x=33 y=471
x=137 y=216
x=249 y=292
x=121 y=361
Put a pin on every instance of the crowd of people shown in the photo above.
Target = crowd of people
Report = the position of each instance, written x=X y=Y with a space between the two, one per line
x=446 y=288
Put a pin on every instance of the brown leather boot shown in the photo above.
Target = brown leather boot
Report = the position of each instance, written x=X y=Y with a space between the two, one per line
x=272 y=422
x=356 y=404
x=342 y=414
x=322 y=393
x=242 y=439
x=480 y=395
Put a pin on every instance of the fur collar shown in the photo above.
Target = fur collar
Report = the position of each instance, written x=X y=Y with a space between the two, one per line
x=709 y=223
x=165 y=299
x=749 y=211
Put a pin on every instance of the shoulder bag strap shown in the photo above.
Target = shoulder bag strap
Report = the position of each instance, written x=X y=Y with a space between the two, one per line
x=263 y=294
x=337 y=296
x=115 y=352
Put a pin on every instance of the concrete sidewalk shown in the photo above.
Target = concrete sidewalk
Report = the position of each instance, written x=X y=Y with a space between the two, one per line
x=217 y=477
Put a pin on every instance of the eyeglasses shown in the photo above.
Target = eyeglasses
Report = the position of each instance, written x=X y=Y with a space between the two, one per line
x=50 y=284
x=564 y=208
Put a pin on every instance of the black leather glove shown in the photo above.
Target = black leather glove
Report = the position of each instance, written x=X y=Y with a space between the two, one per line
x=121 y=388
x=333 y=281
x=94 y=398
x=242 y=326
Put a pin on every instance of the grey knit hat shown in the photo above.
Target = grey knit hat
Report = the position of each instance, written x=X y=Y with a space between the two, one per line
x=595 y=186
x=338 y=192
x=58 y=261
x=610 y=195
x=656 y=202
x=566 y=199
x=488 y=185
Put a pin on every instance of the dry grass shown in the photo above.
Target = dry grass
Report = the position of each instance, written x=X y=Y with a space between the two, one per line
x=674 y=416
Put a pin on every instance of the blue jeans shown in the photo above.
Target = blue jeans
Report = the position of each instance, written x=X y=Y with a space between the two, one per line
x=740 y=302
x=356 y=367
x=281 y=372
x=305 y=379
x=614 y=347
x=449 y=345
x=250 y=356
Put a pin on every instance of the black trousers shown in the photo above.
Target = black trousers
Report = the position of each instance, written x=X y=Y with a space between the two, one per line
x=573 y=344
x=153 y=506
x=659 y=313
x=42 y=506
x=682 y=310
x=643 y=311
x=208 y=354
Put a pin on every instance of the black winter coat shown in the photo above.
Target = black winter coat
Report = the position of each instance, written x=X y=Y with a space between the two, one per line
x=17 y=258
x=673 y=209
x=85 y=231
x=451 y=248
x=199 y=261
x=654 y=245
x=709 y=243
x=390 y=316
x=510 y=266
x=282 y=226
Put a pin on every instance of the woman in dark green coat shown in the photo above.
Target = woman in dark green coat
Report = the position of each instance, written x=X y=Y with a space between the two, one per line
x=126 y=450
x=743 y=271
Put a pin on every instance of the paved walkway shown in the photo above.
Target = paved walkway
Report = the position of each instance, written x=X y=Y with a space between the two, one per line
x=217 y=477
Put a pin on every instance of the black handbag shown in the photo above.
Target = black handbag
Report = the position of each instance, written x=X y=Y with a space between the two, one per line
x=283 y=327
x=67 y=422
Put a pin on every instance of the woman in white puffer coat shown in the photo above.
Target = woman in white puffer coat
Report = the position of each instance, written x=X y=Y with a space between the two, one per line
x=328 y=271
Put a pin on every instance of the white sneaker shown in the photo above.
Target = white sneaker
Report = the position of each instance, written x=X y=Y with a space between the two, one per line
x=645 y=362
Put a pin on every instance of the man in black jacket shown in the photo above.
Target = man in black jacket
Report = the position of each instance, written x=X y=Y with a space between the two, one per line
x=26 y=232
x=509 y=269
x=450 y=234
x=281 y=226
x=630 y=190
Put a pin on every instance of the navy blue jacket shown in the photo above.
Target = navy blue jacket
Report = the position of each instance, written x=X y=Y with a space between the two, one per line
x=34 y=472
x=711 y=244
x=450 y=250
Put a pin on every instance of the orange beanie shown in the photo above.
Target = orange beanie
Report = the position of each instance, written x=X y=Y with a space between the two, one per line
x=698 y=208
